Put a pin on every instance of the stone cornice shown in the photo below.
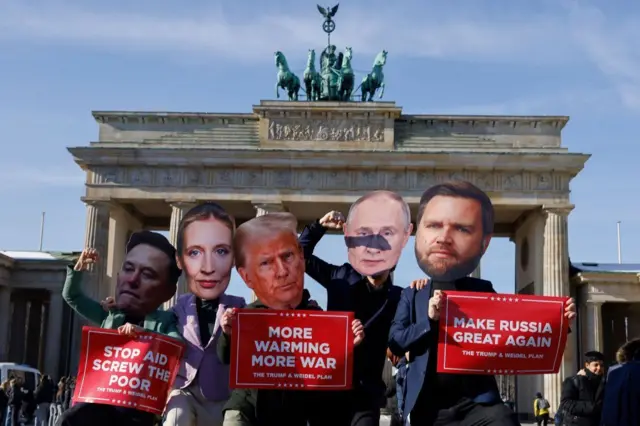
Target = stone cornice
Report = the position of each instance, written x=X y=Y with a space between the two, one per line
x=560 y=210
x=6 y=261
x=607 y=277
x=387 y=109
x=514 y=121
x=88 y=157
x=375 y=108
x=154 y=117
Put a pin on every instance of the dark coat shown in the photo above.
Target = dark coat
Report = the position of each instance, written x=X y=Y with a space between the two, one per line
x=581 y=400
x=621 y=404
x=411 y=332
x=343 y=283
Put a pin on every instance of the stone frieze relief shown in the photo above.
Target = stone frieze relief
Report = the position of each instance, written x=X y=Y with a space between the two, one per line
x=326 y=130
x=317 y=179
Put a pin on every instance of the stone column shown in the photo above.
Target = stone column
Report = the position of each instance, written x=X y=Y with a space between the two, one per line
x=121 y=223
x=266 y=208
x=261 y=210
x=94 y=283
x=97 y=237
x=5 y=312
x=556 y=283
x=178 y=210
x=595 y=338
x=54 y=334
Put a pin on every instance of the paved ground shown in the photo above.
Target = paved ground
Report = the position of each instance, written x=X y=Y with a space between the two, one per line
x=386 y=423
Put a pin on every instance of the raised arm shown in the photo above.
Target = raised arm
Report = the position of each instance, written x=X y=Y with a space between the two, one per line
x=72 y=290
x=321 y=271
x=405 y=335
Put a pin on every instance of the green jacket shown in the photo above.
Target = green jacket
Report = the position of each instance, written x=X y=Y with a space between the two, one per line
x=162 y=322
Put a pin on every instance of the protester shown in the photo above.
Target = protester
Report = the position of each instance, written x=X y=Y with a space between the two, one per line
x=205 y=256
x=401 y=379
x=4 y=401
x=582 y=394
x=270 y=261
x=390 y=412
x=541 y=410
x=376 y=230
x=44 y=396
x=16 y=396
x=455 y=224
x=621 y=403
x=146 y=279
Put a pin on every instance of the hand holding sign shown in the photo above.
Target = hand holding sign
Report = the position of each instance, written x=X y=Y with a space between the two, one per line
x=435 y=303
x=228 y=318
x=130 y=330
x=570 y=309
x=358 y=332
x=88 y=257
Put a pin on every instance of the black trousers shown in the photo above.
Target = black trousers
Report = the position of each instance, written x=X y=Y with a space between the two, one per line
x=356 y=408
x=468 y=413
x=543 y=419
x=104 y=415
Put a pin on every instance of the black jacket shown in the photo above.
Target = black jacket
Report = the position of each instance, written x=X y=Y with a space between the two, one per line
x=581 y=400
x=348 y=290
x=45 y=393
x=16 y=396
x=276 y=407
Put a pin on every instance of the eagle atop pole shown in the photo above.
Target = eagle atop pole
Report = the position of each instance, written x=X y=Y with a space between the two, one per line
x=329 y=24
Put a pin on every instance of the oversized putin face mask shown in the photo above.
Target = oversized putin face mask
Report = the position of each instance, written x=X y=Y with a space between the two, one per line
x=450 y=239
x=376 y=231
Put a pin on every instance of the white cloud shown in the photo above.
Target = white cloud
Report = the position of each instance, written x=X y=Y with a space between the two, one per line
x=417 y=30
x=613 y=47
x=557 y=34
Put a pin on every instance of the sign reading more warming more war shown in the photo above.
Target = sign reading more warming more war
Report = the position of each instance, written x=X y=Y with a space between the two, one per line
x=292 y=349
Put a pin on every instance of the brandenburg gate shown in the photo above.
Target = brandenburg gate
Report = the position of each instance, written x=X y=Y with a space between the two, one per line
x=147 y=168
x=308 y=157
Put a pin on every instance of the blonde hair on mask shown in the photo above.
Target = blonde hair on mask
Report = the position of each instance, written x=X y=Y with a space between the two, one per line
x=254 y=231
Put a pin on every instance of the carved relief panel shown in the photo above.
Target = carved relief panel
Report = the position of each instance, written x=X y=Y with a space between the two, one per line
x=325 y=130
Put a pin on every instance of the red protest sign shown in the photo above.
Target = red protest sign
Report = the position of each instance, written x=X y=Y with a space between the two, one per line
x=127 y=372
x=488 y=333
x=291 y=350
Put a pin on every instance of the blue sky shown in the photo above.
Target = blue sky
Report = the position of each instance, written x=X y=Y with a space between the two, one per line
x=63 y=58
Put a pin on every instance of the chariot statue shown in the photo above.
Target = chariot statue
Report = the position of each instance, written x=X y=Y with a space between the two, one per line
x=334 y=79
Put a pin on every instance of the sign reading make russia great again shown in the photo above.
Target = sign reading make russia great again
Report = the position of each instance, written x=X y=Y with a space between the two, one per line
x=310 y=350
x=488 y=333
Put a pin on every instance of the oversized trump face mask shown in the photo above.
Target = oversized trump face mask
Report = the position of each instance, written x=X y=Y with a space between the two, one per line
x=377 y=229
x=271 y=262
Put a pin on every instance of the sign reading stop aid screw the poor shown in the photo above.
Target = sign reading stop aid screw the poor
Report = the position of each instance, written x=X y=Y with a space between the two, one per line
x=488 y=333
x=124 y=371
x=273 y=349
